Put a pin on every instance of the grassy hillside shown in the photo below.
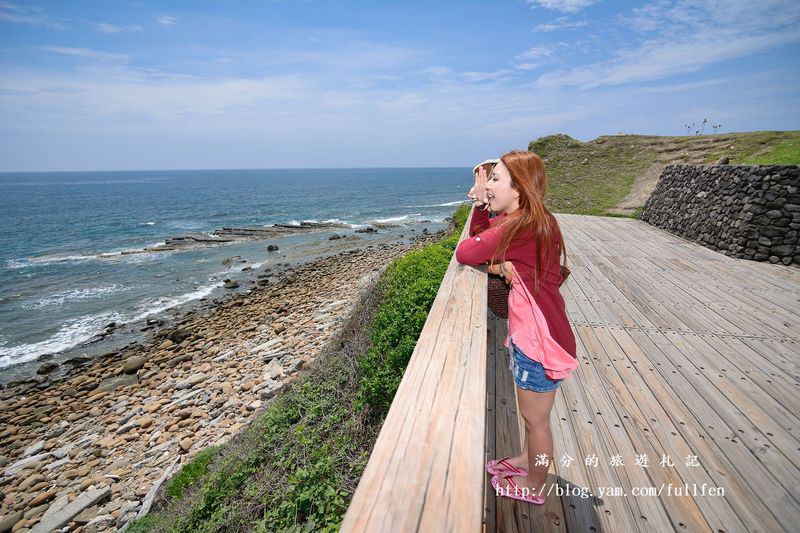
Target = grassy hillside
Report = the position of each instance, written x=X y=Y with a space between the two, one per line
x=613 y=175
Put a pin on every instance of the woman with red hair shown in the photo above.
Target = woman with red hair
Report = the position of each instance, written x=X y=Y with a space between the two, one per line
x=524 y=243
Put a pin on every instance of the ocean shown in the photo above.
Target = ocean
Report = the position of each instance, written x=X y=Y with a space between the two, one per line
x=63 y=278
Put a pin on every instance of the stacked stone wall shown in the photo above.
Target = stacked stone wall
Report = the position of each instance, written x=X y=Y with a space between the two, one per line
x=745 y=211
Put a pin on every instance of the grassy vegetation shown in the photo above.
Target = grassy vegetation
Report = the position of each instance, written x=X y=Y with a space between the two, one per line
x=191 y=472
x=785 y=152
x=296 y=467
x=591 y=178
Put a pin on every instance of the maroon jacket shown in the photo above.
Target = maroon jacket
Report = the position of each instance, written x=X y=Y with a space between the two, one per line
x=483 y=241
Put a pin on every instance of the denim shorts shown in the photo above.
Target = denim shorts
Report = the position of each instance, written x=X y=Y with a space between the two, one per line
x=529 y=374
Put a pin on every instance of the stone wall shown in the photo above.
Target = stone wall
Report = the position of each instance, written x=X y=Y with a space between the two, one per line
x=746 y=211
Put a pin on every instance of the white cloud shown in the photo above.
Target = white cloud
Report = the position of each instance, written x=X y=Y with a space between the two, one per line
x=167 y=21
x=684 y=37
x=482 y=76
x=681 y=87
x=561 y=23
x=105 y=27
x=32 y=16
x=537 y=51
x=528 y=66
x=537 y=56
x=86 y=53
x=566 y=6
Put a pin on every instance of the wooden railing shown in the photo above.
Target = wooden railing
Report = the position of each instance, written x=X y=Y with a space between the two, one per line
x=426 y=471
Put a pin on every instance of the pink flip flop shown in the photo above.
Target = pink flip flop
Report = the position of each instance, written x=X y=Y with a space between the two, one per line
x=502 y=466
x=514 y=491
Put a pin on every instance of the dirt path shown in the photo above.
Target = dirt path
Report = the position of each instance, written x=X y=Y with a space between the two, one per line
x=668 y=153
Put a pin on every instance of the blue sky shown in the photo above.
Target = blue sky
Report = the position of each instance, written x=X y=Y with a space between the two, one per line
x=278 y=84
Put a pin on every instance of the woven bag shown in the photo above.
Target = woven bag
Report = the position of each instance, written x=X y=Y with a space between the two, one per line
x=497 y=292
x=497 y=295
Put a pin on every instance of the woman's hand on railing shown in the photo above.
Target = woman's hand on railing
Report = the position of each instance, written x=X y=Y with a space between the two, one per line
x=502 y=269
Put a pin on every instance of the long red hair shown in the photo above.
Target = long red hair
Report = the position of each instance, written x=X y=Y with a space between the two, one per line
x=533 y=220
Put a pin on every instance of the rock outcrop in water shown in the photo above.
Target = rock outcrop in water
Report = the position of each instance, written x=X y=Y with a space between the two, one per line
x=226 y=235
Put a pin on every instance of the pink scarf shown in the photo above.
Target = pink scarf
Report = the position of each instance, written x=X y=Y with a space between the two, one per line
x=528 y=326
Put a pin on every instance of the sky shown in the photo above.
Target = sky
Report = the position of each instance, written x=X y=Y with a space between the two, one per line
x=314 y=83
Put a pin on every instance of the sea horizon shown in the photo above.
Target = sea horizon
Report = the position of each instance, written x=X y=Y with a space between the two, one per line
x=231 y=169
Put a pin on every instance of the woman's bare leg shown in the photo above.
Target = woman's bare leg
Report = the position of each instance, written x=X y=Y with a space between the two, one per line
x=535 y=408
x=521 y=460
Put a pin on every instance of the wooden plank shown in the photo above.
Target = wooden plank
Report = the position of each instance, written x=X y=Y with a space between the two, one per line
x=743 y=389
x=788 y=382
x=424 y=471
x=767 y=402
x=606 y=391
x=494 y=370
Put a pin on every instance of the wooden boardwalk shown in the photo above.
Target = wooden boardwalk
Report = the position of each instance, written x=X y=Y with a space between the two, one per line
x=686 y=355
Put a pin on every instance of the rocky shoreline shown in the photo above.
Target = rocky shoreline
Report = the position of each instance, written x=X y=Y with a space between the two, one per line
x=90 y=451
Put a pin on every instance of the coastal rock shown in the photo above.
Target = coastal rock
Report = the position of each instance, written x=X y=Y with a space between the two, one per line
x=78 y=361
x=179 y=359
x=33 y=463
x=33 y=449
x=8 y=521
x=97 y=522
x=86 y=516
x=41 y=498
x=179 y=335
x=61 y=517
x=191 y=382
x=112 y=383
x=134 y=364
x=46 y=368
x=294 y=365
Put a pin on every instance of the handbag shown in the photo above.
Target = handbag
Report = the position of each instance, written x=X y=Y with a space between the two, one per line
x=497 y=295
x=497 y=291
x=565 y=271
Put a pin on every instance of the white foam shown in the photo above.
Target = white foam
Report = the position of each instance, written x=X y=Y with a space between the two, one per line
x=397 y=218
x=446 y=204
x=72 y=333
x=159 y=305
x=76 y=331
x=344 y=222
x=58 y=299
